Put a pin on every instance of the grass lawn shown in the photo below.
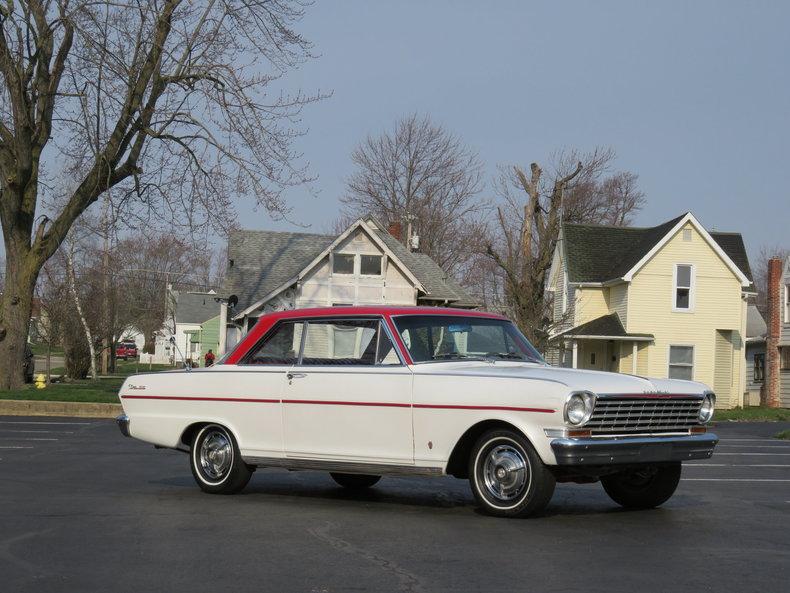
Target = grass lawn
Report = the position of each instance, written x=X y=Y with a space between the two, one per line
x=41 y=350
x=101 y=390
x=755 y=414
x=124 y=368
x=785 y=434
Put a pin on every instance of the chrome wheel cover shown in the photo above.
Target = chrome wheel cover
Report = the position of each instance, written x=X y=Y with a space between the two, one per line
x=216 y=455
x=506 y=473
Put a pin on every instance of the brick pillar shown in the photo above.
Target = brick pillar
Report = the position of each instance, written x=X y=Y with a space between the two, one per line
x=774 y=321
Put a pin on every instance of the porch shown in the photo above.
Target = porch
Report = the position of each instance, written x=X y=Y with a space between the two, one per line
x=603 y=345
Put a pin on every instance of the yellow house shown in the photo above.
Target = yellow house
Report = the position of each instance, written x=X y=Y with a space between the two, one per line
x=666 y=301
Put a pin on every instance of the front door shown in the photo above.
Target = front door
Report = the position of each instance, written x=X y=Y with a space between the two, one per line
x=349 y=398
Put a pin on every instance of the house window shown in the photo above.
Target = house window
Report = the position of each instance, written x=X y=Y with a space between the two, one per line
x=684 y=280
x=681 y=362
x=784 y=358
x=342 y=263
x=759 y=367
x=370 y=265
x=787 y=303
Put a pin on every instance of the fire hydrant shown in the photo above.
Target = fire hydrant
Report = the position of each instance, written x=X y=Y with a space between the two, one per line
x=41 y=381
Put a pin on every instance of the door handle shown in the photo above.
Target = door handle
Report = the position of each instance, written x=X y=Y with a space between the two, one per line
x=292 y=376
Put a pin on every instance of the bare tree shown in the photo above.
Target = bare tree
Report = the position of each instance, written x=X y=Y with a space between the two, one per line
x=151 y=265
x=420 y=173
x=528 y=220
x=173 y=104
x=760 y=273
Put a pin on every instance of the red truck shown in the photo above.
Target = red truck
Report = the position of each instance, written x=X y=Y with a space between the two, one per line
x=125 y=350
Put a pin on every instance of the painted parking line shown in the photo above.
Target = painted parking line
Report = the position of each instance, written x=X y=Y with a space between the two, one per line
x=13 y=447
x=735 y=465
x=6 y=431
x=756 y=446
x=722 y=453
x=735 y=480
x=728 y=439
x=25 y=439
x=41 y=422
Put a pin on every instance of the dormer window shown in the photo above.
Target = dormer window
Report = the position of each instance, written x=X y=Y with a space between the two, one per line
x=342 y=263
x=684 y=288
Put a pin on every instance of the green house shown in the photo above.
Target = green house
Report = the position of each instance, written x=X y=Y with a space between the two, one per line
x=204 y=339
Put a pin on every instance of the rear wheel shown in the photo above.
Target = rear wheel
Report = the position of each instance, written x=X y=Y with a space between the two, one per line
x=507 y=476
x=216 y=463
x=355 y=481
x=645 y=487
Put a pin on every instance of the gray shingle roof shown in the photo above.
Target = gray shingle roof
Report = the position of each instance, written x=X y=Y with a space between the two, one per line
x=262 y=261
x=196 y=307
x=607 y=325
x=597 y=253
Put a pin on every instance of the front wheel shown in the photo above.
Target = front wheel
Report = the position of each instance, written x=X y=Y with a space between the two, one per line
x=355 y=481
x=216 y=463
x=507 y=476
x=645 y=487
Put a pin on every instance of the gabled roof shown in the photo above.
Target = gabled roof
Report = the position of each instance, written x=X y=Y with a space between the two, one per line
x=196 y=307
x=607 y=327
x=263 y=263
x=595 y=253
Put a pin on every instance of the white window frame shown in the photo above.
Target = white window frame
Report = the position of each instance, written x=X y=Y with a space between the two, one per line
x=381 y=256
x=693 y=359
x=787 y=303
x=692 y=289
x=355 y=265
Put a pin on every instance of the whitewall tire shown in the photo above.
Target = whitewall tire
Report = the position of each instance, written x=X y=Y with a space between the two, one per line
x=216 y=463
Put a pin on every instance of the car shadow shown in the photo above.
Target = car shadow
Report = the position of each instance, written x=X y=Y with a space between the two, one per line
x=430 y=493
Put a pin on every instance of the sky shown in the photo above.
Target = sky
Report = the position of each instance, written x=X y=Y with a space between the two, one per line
x=693 y=96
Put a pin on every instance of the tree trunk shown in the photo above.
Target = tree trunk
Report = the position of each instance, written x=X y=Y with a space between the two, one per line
x=73 y=289
x=15 y=308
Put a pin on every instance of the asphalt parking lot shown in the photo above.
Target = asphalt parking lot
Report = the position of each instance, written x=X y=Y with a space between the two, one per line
x=83 y=509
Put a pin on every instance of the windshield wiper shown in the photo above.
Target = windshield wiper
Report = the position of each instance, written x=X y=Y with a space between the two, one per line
x=456 y=356
x=511 y=356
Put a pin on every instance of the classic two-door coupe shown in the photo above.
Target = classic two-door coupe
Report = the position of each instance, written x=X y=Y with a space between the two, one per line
x=363 y=392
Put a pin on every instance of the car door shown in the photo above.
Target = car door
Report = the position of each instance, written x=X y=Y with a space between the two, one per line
x=349 y=398
x=260 y=379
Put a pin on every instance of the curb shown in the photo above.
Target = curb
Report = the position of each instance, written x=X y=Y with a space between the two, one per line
x=17 y=407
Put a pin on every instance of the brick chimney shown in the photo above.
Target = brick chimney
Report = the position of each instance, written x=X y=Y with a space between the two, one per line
x=395 y=230
x=774 y=294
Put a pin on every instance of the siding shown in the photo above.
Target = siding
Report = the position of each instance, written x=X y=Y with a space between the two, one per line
x=722 y=379
x=784 y=388
x=559 y=292
x=590 y=304
x=618 y=302
x=321 y=288
x=717 y=305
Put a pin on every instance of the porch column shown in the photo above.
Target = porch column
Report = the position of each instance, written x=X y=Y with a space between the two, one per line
x=575 y=347
x=635 y=353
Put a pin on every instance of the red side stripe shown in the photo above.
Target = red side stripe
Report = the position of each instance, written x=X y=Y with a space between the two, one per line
x=339 y=403
x=208 y=399
x=345 y=403
x=506 y=408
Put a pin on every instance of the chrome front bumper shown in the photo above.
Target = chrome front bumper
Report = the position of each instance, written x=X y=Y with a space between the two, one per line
x=123 y=424
x=641 y=449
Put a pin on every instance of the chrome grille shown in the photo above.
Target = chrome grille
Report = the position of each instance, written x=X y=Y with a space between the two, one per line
x=639 y=414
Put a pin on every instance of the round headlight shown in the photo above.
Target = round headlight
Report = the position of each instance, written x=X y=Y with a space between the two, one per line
x=706 y=410
x=579 y=408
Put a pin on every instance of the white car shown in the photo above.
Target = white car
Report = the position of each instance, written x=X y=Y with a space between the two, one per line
x=363 y=392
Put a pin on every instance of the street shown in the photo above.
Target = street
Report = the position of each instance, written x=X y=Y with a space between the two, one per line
x=84 y=509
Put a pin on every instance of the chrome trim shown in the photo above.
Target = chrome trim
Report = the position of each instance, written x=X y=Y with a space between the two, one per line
x=608 y=451
x=123 y=424
x=348 y=467
x=712 y=396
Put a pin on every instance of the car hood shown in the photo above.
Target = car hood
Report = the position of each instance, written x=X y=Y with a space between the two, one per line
x=575 y=379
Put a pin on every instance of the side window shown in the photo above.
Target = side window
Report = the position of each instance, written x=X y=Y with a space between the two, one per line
x=281 y=346
x=348 y=342
x=684 y=299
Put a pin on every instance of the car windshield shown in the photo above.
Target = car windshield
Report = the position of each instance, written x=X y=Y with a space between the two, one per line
x=447 y=337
